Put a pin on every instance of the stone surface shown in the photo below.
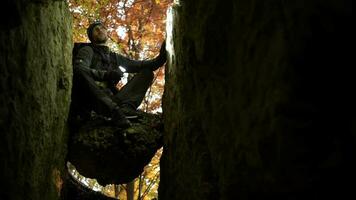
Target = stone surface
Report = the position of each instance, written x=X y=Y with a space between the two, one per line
x=75 y=190
x=35 y=87
x=112 y=155
x=257 y=101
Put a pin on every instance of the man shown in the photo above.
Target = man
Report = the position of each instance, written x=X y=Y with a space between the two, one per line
x=96 y=73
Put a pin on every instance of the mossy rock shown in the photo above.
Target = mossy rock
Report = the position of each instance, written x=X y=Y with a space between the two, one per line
x=113 y=155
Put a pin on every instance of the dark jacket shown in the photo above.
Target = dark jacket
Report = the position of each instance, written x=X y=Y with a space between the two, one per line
x=97 y=60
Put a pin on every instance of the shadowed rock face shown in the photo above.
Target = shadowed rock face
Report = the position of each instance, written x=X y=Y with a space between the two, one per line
x=112 y=155
x=35 y=87
x=258 y=101
x=11 y=12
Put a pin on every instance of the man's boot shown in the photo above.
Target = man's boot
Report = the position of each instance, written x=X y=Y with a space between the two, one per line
x=119 y=119
x=129 y=111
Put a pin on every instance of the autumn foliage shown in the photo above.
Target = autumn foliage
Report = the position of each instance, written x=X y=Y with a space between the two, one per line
x=136 y=29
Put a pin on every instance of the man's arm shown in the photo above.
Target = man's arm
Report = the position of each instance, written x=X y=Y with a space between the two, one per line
x=83 y=61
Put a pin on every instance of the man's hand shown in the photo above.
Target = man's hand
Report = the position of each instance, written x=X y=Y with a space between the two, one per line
x=113 y=75
x=162 y=51
x=160 y=59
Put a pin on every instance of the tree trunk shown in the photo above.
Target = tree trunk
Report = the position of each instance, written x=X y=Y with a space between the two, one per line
x=130 y=190
x=117 y=190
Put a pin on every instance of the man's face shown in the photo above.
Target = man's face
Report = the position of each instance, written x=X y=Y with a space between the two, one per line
x=99 y=34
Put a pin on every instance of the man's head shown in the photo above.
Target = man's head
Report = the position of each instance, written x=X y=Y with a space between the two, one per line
x=97 y=33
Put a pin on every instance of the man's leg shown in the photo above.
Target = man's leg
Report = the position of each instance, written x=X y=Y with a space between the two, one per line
x=134 y=91
x=87 y=93
x=90 y=94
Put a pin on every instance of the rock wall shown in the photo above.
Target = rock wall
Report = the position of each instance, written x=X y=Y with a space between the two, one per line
x=257 y=101
x=35 y=87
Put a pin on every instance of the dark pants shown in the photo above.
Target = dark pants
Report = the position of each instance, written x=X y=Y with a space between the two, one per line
x=88 y=96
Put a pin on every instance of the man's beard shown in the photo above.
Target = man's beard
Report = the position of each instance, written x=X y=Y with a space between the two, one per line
x=101 y=40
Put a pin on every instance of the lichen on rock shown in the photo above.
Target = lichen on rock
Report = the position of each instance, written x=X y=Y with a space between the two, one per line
x=113 y=155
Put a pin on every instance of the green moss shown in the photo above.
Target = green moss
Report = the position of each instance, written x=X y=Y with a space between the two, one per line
x=35 y=92
x=96 y=143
